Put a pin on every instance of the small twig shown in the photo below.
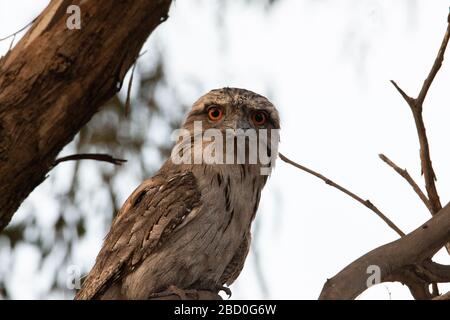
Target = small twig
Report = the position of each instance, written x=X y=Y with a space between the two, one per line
x=19 y=31
x=404 y=173
x=130 y=84
x=436 y=65
x=90 y=156
x=12 y=43
x=403 y=94
x=366 y=203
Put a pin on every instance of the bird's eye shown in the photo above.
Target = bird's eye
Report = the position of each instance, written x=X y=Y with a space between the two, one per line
x=215 y=113
x=259 y=118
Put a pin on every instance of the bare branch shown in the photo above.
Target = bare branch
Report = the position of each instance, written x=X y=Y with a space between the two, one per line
x=407 y=98
x=402 y=260
x=418 y=287
x=130 y=84
x=407 y=259
x=416 y=106
x=436 y=272
x=436 y=65
x=404 y=173
x=425 y=158
x=90 y=156
x=366 y=203
x=18 y=31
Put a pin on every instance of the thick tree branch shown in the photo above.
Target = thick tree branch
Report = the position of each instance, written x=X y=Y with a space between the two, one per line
x=402 y=260
x=436 y=272
x=404 y=173
x=418 y=287
x=56 y=79
x=366 y=203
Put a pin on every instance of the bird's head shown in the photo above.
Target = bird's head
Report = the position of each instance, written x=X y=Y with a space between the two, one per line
x=233 y=108
x=246 y=119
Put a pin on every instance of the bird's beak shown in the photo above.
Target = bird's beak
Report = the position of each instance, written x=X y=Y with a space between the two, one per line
x=238 y=127
x=242 y=124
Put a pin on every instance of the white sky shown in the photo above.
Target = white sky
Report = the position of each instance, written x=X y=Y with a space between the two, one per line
x=326 y=65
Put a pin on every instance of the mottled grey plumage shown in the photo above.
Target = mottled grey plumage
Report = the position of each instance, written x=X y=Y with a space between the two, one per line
x=189 y=225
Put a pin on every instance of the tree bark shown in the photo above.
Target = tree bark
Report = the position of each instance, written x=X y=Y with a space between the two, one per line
x=56 y=79
x=407 y=260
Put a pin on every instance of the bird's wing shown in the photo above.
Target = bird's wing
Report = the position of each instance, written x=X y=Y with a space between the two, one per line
x=234 y=268
x=147 y=218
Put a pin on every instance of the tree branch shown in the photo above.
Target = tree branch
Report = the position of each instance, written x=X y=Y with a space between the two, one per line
x=366 y=203
x=130 y=84
x=90 y=156
x=55 y=79
x=404 y=173
x=416 y=106
x=436 y=272
x=18 y=31
x=403 y=94
x=436 y=66
x=402 y=260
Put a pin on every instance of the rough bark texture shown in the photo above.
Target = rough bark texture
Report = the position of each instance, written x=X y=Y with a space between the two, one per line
x=56 y=79
x=407 y=260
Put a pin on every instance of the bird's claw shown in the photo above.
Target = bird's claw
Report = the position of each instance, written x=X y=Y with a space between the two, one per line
x=189 y=294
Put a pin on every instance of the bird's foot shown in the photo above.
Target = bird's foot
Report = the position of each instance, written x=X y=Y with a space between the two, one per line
x=175 y=293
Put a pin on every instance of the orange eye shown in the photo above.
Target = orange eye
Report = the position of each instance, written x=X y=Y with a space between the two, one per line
x=259 y=118
x=215 y=113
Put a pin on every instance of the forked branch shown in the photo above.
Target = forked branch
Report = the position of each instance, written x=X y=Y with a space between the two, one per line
x=407 y=260
x=416 y=106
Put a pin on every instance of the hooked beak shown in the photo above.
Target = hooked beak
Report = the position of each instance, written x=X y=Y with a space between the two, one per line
x=238 y=127
x=242 y=124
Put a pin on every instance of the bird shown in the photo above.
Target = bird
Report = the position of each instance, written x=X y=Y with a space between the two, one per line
x=188 y=228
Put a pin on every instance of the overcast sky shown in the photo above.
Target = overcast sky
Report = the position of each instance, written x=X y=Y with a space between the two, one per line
x=326 y=65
